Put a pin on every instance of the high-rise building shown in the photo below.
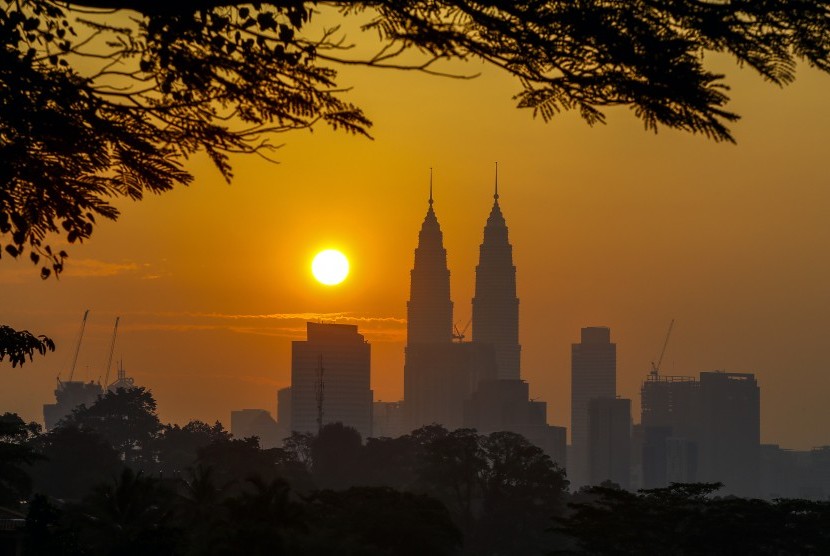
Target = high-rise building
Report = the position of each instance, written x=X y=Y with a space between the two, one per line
x=70 y=394
x=473 y=384
x=670 y=418
x=593 y=375
x=330 y=374
x=436 y=371
x=429 y=309
x=495 y=305
x=388 y=419
x=284 y=412
x=609 y=441
x=505 y=405
x=730 y=439
x=440 y=378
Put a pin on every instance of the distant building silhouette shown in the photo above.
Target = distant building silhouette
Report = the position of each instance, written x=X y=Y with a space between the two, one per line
x=439 y=375
x=388 y=419
x=593 y=375
x=704 y=430
x=284 y=412
x=440 y=378
x=795 y=473
x=122 y=380
x=609 y=441
x=332 y=368
x=429 y=309
x=670 y=420
x=255 y=422
x=730 y=439
x=70 y=394
x=495 y=305
x=471 y=384
x=504 y=405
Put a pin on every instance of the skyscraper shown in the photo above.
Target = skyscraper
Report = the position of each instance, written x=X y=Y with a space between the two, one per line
x=609 y=441
x=330 y=374
x=495 y=305
x=730 y=439
x=593 y=375
x=429 y=309
x=437 y=372
x=670 y=418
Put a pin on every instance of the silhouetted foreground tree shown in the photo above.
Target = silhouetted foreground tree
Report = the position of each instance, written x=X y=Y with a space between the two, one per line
x=452 y=493
x=72 y=461
x=136 y=515
x=686 y=519
x=176 y=448
x=104 y=98
x=18 y=345
x=15 y=455
x=126 y=419
x=378 y=521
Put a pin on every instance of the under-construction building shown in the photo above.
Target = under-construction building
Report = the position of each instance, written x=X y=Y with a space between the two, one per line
x=670 y=418
x=70 y=394
x=702 y=430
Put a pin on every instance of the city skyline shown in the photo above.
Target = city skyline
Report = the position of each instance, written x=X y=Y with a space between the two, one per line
x=706 y=246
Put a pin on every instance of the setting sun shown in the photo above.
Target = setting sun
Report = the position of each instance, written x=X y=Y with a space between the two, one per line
x=330 y=267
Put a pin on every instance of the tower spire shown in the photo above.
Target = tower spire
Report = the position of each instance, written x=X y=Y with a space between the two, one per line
x=430 y=187
x=496 y=196
x=495 y=305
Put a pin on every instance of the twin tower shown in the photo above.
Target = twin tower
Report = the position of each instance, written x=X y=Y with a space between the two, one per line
x=440 y=375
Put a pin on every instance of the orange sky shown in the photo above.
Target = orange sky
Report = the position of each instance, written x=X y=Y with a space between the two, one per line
x=610 y=226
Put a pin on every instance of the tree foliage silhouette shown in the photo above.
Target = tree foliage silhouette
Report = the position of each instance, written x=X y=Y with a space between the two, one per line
x=21 y=345
x=105 y=98
x=73 y=460
x=688 y=519
x=126 y=419
x=15 y=456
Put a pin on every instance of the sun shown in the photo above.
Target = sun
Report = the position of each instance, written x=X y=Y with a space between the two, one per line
x=330 y=267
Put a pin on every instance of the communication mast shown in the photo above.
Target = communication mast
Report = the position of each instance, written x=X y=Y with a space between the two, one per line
x=655 y=369
x=319 y=391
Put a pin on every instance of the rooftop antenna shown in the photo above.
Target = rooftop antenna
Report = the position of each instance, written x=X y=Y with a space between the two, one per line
x=78 y=346
x=496 y=196
x=655 y=369
x=112 y=349
x=319 y=390
x=430 y=187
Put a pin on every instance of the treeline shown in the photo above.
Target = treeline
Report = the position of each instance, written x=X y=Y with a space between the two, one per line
x=112 y=479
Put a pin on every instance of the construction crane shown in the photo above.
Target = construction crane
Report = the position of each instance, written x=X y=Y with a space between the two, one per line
x=78 y=346
x=318 y=391
x=112 y=349
x=655 y=369
x=460 y=334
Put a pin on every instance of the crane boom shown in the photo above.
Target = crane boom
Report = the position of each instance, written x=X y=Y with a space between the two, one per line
x=78 y=346
x=112 y=349
x=655 y=369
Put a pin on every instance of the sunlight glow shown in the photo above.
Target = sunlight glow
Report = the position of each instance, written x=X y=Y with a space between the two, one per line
x=330 y=267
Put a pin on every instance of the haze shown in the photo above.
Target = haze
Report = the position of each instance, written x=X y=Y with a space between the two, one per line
x=611 y=226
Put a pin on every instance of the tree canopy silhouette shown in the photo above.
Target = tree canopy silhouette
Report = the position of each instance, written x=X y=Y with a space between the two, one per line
x=102 y=99
x=18 y=345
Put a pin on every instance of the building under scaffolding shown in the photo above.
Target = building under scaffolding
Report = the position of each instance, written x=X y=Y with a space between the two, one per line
x=69 y=395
